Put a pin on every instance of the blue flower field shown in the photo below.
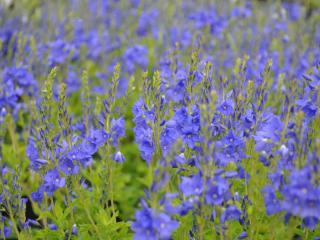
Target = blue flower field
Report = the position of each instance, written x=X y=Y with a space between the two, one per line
x=159 y=120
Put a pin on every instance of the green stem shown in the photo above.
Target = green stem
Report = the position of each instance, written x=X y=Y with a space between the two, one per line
x=111 y=188
x=45 y=220
x=79 y=192
x=93 y=223
x=11 y=215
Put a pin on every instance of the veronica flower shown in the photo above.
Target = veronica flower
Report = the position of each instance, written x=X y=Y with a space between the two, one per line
x=147 y=22
x=72 y=81
x=180 y=35
x=21 y=78
x=169 y=135
x=301 y=197
x=32 y=152
x=268 y=133
x=37 y=196
x=308 y=107
x=192 y=186
x=165 y=225
x=271 y=201
x=118 y=157
x=6 y=231
x=188 y=126
x=15 y=83
x=146 y=146
x=59 y=52
x=135 y=56
x=226 y=108
x=229 y=149
x=93 y=42
x=117 y=130
x=149 y=224
x=53 y=181
x=6 y=36
x=98 y=137
x=82 y=153
x=293 y=10
x=217 y=191
x=249 y=118
x=313 y=80
x=230 y=213
x=176 y=91
x=68 y=166
x=202 y=18
x=217 y=126
x=143 y=132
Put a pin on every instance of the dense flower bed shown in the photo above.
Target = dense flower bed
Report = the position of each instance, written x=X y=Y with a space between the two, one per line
x=159 y=120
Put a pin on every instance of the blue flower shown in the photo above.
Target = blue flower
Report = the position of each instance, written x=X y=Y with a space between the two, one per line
x=142 y=226
x=229 y=149
x=147 y=22
x=6 y=231
x=243 y=235
x=202 y=18
x=232 y=140
x=226 y=108
x=300 y=196
x=308 y=107
x=7 y=33
x=146 y=147
x=67 y=166
x=59 y=52
x=53 y=181
x=30 y=223
x=217 y=191
x=53 y=226
x=98 y=137
x=272 y=203
x=150 y=224
x=33 y=155
x=268 y=133
x=37 y=196
x=180 y=35
x=310 y=222
x=72 y=81
x=293 y=10
x=188 y=125
x=15 y=83
x=190 y=136
x=82 y=153
x=217 y=126
x=177 y=92
x=118 y=157
x=230 y=213
x=143 y=132
x=135 y=56
x=249 y=119
x=191 y=185
x=74 y=229
x=181 y=116
x=169 y=135
x=117 y=130
x=21 y=77
x=164 y=225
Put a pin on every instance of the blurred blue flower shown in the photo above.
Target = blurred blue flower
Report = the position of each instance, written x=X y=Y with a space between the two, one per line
x=135 y=57
x=230 y=213
x=150 y=224
x=117 y=130
x=119 y=157
x=191 y=185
